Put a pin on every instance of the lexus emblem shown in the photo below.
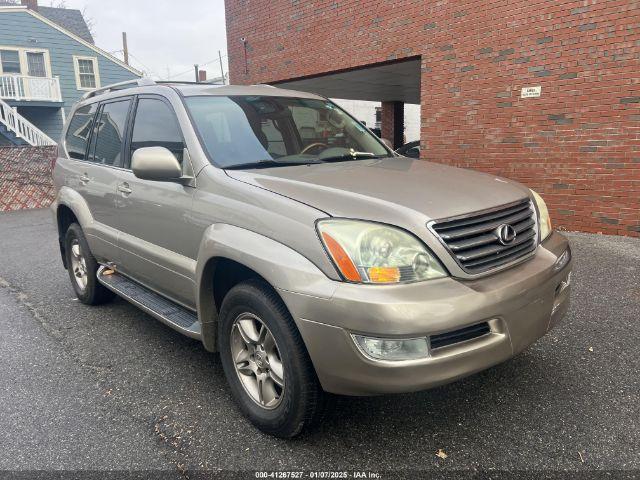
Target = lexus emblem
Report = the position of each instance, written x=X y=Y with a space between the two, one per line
x=506 y=234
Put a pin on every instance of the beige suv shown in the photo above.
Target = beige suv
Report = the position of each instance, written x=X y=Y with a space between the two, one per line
x=283 y=234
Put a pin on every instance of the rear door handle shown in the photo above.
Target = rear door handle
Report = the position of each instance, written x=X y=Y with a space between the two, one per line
x=84 y=179
x=124 y=189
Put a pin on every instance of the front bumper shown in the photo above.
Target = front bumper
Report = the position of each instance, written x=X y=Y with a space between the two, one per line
x=520 y=305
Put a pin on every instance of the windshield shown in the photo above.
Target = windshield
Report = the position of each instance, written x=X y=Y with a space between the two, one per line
x=246 y=131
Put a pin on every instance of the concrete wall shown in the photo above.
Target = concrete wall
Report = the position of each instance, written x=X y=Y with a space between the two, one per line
x=578 y=144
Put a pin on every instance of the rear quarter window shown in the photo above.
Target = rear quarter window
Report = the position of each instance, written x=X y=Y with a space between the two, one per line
x=79 y=131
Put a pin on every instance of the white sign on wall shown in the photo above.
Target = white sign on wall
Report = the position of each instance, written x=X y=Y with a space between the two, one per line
x=531 y=92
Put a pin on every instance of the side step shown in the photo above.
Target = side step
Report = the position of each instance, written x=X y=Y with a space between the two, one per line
x=168 y=312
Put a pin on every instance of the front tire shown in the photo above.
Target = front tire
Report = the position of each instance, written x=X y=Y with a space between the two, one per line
x=266 y=363
x=83 y=267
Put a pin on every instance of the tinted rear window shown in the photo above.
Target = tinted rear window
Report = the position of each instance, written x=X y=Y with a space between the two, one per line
x=79 y=131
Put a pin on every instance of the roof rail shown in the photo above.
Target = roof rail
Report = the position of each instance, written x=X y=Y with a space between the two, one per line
x=263 y=85
x=138 y=82
x=178 y=82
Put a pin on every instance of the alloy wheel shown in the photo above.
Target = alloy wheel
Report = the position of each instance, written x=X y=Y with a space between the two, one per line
x=78 y=265
x=257 y=360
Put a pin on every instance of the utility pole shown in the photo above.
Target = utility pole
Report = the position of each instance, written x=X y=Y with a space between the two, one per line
x=196 y=68
x=221 y=68
x=125 y=48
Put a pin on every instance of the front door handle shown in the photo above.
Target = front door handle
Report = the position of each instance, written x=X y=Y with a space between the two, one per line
x=124 y=189
x=84 y=179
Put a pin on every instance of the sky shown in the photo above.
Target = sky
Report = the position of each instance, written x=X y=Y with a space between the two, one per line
x=166 y=38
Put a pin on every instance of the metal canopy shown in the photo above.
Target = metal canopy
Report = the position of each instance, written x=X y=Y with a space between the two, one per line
x=395 y=81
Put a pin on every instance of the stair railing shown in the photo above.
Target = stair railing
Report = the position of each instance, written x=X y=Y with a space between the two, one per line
x=22 y=128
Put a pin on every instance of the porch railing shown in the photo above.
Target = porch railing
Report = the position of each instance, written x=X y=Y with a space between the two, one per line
x=23 y=87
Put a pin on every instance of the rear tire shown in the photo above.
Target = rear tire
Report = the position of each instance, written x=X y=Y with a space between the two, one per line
x=273 y=380
x=83 y=267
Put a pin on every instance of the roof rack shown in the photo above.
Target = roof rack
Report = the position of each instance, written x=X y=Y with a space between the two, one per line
x=179 y=82
x=138 y=82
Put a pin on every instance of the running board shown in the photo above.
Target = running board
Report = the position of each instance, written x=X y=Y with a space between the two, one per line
x=175 y=316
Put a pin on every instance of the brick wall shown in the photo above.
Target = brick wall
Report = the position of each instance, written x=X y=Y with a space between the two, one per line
x=578 y=144
x=392 y=123
x=25 y=177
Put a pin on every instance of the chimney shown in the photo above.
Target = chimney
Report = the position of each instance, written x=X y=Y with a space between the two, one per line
x=30 y=4
x=202 y=76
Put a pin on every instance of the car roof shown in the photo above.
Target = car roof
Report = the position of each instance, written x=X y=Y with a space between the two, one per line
x=190 y=90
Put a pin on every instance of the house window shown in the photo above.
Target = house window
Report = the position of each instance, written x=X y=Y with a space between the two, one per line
x=10 y=61
x=36 y=64
x=87 y=75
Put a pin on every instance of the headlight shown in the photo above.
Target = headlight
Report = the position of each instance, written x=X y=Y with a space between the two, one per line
x=545 y=219
x=367 y=252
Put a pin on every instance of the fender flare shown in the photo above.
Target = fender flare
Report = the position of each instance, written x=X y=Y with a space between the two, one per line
x=78 y=205
x=69 y=198
x=282 y=267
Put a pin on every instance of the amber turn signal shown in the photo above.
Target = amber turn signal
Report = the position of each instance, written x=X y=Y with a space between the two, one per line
x=384 y=274
x=341 y=258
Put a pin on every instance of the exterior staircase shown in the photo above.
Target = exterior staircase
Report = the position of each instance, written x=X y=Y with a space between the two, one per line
x=17 y=130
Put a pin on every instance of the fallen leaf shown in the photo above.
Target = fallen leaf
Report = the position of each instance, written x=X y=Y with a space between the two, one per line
x=441 y=454
x=581 y=457
x=591 y=349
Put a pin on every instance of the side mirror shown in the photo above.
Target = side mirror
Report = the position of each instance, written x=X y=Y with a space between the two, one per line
x=155 y=163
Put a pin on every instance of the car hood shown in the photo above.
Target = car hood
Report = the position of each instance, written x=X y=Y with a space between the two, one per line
x=385 y=189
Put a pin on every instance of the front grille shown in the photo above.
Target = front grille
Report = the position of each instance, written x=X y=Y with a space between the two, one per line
x=457 y=336
x=475 y=244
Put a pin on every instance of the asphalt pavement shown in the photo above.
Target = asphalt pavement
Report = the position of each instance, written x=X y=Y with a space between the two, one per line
x=110 y=388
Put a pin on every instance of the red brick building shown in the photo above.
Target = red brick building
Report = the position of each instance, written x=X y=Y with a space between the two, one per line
x=466 y=62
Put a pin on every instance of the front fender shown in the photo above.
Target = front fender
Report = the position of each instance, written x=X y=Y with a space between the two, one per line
x=282 y=267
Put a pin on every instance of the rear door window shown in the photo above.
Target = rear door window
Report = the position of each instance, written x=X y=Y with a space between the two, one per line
x=155 y=125
x=110 y=132
x=79 y=131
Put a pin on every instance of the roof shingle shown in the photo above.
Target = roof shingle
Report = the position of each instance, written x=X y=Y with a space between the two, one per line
x=68 y=18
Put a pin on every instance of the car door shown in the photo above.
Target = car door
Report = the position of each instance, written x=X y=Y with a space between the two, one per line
x=157 y=243
x=95 y=139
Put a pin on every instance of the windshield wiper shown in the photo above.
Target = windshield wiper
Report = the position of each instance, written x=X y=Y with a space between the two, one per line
x=267 y=163
x=352 y=155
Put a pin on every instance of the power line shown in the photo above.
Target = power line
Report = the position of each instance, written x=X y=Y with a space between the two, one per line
x=201 y=64
x=149 y=70
x=143 y=65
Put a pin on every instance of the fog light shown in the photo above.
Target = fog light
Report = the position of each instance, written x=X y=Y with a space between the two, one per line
x=392 y=348
x=563 y=259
